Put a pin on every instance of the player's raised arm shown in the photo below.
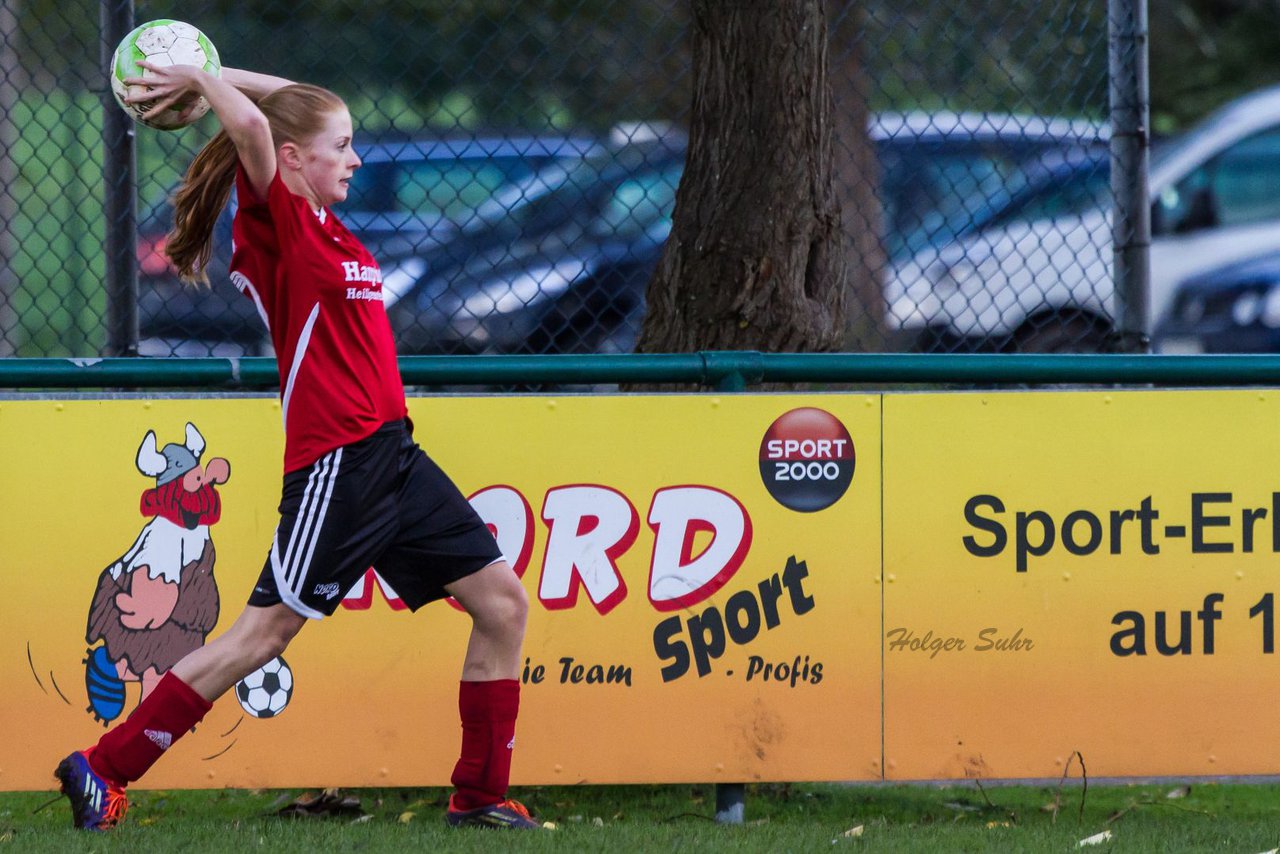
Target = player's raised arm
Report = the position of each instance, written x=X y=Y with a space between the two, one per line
x=240 y=117
x=254 y=85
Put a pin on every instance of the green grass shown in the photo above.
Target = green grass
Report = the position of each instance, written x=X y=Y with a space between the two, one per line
x=809 y=817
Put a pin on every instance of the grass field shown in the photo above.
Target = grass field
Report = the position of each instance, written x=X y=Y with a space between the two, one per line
x=1150 y=817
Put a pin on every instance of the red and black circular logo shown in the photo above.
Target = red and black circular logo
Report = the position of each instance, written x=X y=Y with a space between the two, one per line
x=806 y=459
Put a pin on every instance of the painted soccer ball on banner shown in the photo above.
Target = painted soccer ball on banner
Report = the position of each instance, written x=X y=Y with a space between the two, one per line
x=266 y=691
x=162 y=42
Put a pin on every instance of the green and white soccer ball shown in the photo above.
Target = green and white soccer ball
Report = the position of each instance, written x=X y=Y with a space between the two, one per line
x=162 y=42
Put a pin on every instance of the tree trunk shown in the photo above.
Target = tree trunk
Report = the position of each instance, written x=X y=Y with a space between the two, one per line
x=756 y=258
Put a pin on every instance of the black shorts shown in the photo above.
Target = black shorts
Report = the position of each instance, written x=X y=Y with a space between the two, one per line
x=382 y=503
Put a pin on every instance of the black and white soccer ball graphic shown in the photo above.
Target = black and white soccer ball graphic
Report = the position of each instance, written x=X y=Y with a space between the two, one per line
x=265 y=692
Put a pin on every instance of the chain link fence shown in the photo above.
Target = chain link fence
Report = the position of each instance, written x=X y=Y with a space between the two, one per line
x=520 y=165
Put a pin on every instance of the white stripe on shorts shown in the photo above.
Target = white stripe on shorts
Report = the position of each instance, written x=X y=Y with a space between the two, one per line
x=304 y=522
x=291 y=573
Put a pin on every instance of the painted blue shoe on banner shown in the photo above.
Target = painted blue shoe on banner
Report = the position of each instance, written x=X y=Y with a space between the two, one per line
x=105 y=687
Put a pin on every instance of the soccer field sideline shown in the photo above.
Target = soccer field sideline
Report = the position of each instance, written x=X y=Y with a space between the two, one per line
x=1164 y=816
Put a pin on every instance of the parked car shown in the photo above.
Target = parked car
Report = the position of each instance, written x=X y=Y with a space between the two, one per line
x=941 y=170
x=559 y=263
x=563 y=266
x=1047 y=284
x=1059 y=186
x=407 y=196
x=555 y=263
x=1232 y=309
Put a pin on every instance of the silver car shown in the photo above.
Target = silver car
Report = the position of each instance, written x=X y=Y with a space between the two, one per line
x=1046 y=284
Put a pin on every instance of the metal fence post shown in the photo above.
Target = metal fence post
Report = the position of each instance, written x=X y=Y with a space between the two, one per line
x=1130 y=151
x=119 y=204
x=731 y=802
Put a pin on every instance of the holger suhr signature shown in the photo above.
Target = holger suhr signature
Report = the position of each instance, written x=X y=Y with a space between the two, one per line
x=989 y=639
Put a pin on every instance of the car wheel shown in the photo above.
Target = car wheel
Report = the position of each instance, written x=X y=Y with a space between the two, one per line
x=1058 y=334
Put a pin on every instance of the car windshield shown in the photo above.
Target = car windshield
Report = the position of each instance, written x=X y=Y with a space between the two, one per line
x=1061 y=192
x=642 y=204
x=604 y=197
x=934 y=189
x=1069 y=187
x=546 y=197
x=446 y=188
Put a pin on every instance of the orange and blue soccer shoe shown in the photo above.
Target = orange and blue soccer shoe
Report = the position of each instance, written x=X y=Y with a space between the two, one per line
x=505 y=814
x=96 y=803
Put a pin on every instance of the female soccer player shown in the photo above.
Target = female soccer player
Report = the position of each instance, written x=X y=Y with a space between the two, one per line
x=357 y=490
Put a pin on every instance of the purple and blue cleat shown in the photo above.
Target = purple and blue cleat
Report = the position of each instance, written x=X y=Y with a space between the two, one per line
x=96 y=803
x=505 y=814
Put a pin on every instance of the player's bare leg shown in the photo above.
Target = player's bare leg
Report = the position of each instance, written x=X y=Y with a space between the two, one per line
x=489 y=699
x=257 y=636
x=94 y=780
x=499 y=607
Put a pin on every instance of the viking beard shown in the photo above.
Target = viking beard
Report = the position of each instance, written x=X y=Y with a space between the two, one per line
x=186 y=509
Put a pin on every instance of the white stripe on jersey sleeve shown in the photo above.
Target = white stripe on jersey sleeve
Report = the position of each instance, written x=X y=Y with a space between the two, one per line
x=241 y=281
x=299 y=352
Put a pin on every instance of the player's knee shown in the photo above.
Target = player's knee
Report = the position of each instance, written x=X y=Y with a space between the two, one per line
x=269 y=645
x=519 y=605
x=265 y=641
x=506 y=608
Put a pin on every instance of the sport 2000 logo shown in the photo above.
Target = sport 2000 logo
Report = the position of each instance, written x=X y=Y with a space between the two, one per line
x=807 y=459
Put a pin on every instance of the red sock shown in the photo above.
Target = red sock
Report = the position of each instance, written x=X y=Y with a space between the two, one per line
x=488 y=711
x=125 y=753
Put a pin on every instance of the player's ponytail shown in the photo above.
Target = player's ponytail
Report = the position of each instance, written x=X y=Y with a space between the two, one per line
x=296 y=112
x=197 y=206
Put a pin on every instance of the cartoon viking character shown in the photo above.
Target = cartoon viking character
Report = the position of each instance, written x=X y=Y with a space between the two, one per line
x=159 y=601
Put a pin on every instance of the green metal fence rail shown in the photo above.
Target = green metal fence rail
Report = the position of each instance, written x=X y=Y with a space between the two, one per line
x=726 y=371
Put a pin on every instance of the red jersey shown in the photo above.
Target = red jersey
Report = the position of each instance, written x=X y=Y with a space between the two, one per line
x=320 y=293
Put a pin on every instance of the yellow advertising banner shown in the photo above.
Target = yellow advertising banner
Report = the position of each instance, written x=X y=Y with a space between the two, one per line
x=1091 y=572
x=703 y=572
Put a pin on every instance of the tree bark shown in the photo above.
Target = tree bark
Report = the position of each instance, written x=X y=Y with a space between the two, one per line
x=756 y=259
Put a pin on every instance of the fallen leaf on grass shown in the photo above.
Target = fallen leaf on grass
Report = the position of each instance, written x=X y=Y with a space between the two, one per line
x=1096 y=839
x=7 y=836
x=993 y=824
x=329 y=803
x=853 y=832
x=280 y=801
x=1180 y=792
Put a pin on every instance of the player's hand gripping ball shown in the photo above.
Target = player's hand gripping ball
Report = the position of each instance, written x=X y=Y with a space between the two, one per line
x=162 y=42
